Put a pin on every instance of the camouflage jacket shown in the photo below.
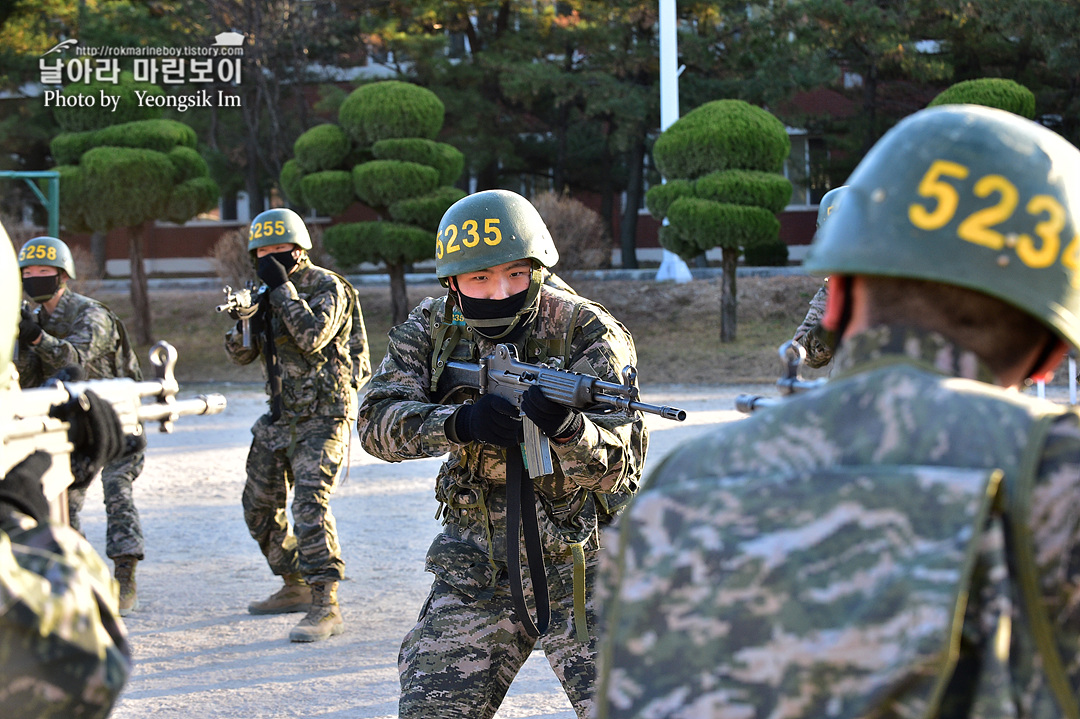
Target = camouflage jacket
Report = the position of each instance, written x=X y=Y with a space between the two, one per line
x=403 y=417
x=311 y=318
x=810 y=560
x=80 y=331
x=63 y=647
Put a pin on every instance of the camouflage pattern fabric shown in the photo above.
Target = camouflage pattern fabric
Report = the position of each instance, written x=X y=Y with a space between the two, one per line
x=467 y=646
x=305 y=456
x=809 y=333
x=807 y=561
x=305 y=448
x=63 y=647
x=82 y=331
x=123 y=537
x=312 y=327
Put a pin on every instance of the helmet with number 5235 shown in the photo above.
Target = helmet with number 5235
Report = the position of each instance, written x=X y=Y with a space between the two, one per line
x=969 y=196
x=277 y=227
x=48 y=252
x=490 y=228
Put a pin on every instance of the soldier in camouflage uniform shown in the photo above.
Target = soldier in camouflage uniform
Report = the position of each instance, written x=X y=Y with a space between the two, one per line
x=817 y=342
x=904 y=540
x=63 y=647
x=71 y=329
x=469 y=641
x=310 y=331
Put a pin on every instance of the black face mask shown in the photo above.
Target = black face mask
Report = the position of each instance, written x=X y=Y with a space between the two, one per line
x=41 y=289
x=507 y=309
x=286 y=259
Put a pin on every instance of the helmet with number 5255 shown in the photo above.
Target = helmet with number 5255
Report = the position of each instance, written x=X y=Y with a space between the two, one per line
x=969 y=196
x=490 y=228
x=47 y=252
x=277 y=227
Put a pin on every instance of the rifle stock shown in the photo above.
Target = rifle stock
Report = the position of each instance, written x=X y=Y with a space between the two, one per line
x=503 y=374
x=27 y=426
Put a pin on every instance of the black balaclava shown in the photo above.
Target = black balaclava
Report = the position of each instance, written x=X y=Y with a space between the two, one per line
x=42 y=289
x=495 y=319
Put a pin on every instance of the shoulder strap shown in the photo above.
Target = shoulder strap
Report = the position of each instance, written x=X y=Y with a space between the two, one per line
x=127 y=360
x=1019 y=496
x=358 y=345
x=445 y=335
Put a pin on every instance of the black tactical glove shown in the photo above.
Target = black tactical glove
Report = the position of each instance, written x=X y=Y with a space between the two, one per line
x=491 y=420
x=272 y=272
x=553 y=419
x=97 y=436
x=21 y=488
x=29 y=330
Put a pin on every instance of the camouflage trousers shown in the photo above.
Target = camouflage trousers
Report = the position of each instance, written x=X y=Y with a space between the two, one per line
x=123 y=533
x=304 y=457
x=460 y=658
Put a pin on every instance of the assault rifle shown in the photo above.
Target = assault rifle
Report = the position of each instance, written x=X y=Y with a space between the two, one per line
x=243 y=305
x=27 y=427
x=792 y=355
x=503 y=374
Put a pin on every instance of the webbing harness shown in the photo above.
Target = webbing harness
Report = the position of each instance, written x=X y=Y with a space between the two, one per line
x=448 y=329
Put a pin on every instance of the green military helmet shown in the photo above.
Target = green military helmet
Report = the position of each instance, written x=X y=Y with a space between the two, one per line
x=48 y=252
x=969 y=196
x=277 y=227
x=10 y=300
x=491 y=228
x=829 y=202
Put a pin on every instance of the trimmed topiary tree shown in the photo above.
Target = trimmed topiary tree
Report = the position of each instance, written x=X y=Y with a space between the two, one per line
x=128 y=168
x=383 y=154
x=991 y=92
x=721 y=164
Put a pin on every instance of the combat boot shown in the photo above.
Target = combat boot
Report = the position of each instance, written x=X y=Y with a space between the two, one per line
x=323 y=620
x=294 y=596
x=124 y=571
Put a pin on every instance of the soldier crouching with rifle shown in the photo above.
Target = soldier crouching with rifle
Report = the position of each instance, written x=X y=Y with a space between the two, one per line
x=69 y=329
x=476 y=629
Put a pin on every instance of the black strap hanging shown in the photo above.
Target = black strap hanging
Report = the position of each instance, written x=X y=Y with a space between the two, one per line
x=273 y=367
x=521 y=515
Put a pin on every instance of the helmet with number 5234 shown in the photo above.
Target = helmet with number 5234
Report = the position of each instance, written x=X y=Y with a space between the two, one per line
x=48 y=252
x=490 y=228
x=970 y=196
x=277 y=227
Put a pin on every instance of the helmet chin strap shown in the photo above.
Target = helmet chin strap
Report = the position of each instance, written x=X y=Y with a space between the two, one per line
x=505 y=325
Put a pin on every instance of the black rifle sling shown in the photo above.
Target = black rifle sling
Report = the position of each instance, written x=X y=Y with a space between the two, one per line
x=273 y=369
x=521 y=516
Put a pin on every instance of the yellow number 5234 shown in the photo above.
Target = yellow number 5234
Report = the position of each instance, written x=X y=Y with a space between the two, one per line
x=1047 y=214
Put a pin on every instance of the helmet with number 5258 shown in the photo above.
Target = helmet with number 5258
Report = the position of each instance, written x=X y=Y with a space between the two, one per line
x=490 y=228
x=48 y=252
x=969 y=196
x=277 y=227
